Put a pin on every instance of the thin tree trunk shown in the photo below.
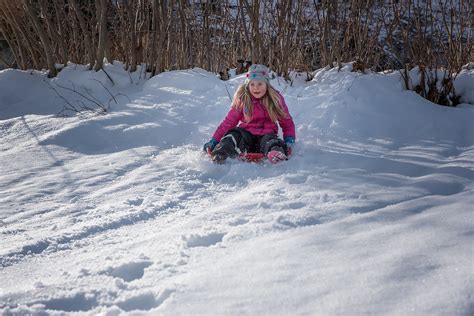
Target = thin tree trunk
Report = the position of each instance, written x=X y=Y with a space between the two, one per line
x=81 y=49
x=21 y=36
x=62 y=34
x=155 y=26
x=184 y=35
x=51 y=31
x=248 y=40
x=133 y=36
x=6 y=36
x=171 y=38
x=44 y=39
x=88 y=40
x=101 y=49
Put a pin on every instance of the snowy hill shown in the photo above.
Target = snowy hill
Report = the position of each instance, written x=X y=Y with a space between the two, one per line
x=122 y=213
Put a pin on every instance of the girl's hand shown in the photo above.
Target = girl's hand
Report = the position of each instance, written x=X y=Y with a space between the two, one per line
x=209 y=146
x=290 y=142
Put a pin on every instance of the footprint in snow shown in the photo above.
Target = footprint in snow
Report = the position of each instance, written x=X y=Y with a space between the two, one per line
x=206 y=240
x=284 y=222
x=144 y=301
x=78 y=302
x=238 y=222
x=296 y=205
x=128 y=271
x=135 y=202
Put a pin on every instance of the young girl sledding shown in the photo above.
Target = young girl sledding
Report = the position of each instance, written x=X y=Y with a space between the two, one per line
x=252 y=122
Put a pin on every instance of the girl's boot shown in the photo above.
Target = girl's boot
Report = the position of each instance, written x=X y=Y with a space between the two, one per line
x=222 y=151
x=276 y=154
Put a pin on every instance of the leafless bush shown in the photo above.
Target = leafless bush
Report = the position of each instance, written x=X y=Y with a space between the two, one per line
x=437 y=41
x=81 y=101
x=220 y=34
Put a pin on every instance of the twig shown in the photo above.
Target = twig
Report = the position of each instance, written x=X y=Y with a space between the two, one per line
x=71 y=106
x=82 y=95
x=120 y=94
x=113 y=83
x=228 y=93
x=6 y=62
x=81 y=106
x=103 y=86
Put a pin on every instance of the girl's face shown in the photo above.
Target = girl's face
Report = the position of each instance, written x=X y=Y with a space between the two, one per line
x=257 y=88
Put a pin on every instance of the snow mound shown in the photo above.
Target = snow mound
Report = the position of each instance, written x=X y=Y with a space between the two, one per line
x=194 y=81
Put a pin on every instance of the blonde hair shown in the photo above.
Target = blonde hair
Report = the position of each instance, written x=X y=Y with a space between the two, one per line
x=271 y=101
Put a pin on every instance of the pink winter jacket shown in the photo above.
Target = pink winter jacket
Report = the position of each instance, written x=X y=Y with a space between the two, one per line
x=259 y=124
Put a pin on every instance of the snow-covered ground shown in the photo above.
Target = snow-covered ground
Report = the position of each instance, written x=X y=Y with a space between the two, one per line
x=122 y=212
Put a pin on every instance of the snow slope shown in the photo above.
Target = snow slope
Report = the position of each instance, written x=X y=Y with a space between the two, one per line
x=122 y=213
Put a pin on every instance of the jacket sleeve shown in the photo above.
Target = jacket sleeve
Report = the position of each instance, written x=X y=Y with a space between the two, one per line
x=286 y=123
x=230 y=121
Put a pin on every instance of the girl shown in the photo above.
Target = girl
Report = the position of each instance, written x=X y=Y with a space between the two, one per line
x=256 y=108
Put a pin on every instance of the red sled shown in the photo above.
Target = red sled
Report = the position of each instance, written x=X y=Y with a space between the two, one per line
x=251 y=157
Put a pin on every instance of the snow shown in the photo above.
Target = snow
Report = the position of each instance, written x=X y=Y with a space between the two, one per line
x=122 y=213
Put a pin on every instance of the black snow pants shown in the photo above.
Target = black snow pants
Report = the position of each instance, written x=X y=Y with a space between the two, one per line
x=239 y=140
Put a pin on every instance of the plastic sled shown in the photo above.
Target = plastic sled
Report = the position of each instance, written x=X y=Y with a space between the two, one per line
x=250 y=157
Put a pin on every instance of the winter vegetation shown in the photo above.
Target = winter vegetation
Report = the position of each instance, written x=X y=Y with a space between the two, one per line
x=218 y=35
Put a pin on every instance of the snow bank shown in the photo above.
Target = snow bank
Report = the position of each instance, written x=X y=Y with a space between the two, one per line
x=31 y=92
x=464 y=85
